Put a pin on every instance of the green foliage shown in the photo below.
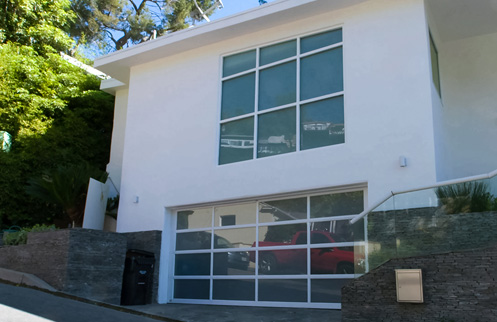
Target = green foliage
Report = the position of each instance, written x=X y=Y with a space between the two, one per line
x=21 y=237
x=466 y=197
x=40 y=24
x=67 y=187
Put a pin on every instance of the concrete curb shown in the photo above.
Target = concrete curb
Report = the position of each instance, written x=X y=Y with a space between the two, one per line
x=21 y=278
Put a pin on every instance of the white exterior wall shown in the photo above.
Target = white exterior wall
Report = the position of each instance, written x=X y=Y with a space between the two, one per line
x=118 y=136
x=172 y=126
x=469 y=92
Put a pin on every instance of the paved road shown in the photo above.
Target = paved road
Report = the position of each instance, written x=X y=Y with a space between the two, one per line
x=20 y=304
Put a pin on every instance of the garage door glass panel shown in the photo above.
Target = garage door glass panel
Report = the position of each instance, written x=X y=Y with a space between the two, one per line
x=338 y=204
x=336 y=231
x=242 y=214
x=192 y=219
x=283 y=262
x=291 y=290
x=234 y=263
x=234 y=290
x=282 y=235
x=192 y=289
x=193 y=240
x=332 y=260
x=192 y=264
x=234 y=238
x=327 y=290
x=282 y=210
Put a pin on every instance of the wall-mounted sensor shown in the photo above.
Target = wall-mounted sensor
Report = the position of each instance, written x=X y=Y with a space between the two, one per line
x=136 y=200
x=403 y=161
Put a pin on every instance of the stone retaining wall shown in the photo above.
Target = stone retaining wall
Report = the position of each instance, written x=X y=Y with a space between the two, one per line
x=83 y=262
x=458 y=286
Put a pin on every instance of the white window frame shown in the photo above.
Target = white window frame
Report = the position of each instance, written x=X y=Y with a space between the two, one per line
x=298 y=102
x=308 y=276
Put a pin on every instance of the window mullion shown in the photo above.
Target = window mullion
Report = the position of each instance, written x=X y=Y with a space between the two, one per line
x=297 y=141
x=256 y=107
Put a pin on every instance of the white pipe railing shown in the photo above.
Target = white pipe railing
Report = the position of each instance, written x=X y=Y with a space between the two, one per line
x=442 y=183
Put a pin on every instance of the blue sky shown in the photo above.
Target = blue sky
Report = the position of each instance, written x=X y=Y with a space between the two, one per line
x=234 y=6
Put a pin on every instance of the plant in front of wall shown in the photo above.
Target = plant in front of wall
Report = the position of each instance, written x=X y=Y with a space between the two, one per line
x=20 y=237
x=466 y=197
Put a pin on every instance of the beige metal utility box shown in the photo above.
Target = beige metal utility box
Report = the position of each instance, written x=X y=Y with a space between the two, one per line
x=409 y=285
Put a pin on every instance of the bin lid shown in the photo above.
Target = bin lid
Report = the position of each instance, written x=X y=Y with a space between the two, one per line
x=139 y=253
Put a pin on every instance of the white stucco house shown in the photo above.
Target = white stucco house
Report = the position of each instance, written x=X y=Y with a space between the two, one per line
x=243 y=138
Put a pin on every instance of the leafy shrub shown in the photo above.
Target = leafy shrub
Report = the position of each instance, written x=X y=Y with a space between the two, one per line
x=21 y=237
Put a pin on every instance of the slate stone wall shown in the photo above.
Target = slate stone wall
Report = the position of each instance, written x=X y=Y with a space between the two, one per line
x=458 y=286
x=86 y=263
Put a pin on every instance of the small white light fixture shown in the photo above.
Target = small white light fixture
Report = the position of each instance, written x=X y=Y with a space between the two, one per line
x=136 y=200
x=409 y=285
x=402 y=161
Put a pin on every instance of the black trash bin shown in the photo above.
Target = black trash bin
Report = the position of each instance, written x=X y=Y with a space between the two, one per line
x=137 y=278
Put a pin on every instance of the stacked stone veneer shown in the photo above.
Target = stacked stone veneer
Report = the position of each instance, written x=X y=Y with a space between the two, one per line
x=458 y=286
x=82 y=262
x=413 y=232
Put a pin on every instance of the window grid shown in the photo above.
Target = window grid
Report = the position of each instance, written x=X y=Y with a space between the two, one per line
x=308 y=276
x=298 y=102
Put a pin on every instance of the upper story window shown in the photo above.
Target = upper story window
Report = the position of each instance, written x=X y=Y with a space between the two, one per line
x=282 y=98
x=435 y=70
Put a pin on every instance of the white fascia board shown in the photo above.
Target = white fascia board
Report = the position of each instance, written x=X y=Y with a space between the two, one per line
x=111 y=85
x=118 y=64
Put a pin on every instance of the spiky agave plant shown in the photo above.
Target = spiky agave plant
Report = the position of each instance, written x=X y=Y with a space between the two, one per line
x=465 y=197
x=66 y=187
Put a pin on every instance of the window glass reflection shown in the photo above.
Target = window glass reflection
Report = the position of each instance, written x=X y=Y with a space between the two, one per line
x=320 y=40
x=277 y=85
x=234 y=263
x=242 y=214
x=238 y=96
x=239 y=62
x=332 y=260
x=193 y=240
x=234 y=290
x=338 y=204
x=282 y=235
x=327 y=290
x=336 y=231
x=321 y=74
x=234 y=238
x=191 y=289
x=277 y=133
x=292 y=290
x=282 y=210
x=192 y=264
x=191 y=219
x=277 y=52
x=283 y=262
x=237 y=141
x=322 y=123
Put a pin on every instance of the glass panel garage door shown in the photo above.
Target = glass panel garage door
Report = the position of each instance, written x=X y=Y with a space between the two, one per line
x=295 y=252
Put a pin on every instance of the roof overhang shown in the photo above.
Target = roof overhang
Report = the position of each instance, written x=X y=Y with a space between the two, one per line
x=118 y=64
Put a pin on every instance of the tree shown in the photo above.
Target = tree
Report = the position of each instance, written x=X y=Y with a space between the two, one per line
x=116 y=24
x=41 y=24
x=53 y=110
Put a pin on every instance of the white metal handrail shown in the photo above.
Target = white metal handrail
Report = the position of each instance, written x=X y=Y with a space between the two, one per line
x=442 y=183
